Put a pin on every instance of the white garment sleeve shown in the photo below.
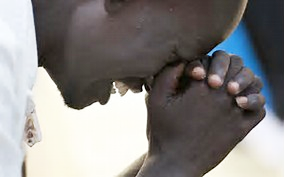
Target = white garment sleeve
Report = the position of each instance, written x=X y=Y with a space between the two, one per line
x=18 y=65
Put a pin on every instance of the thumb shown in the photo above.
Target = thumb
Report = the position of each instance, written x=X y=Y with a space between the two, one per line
x=166 y=82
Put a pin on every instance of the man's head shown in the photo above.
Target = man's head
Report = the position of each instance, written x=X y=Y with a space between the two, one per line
x=85 y=45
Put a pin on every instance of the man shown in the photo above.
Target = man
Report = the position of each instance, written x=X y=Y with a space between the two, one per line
x=86 y=45
x=61 y=50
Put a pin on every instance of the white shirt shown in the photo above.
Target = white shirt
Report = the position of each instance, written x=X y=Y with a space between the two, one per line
x=18 y=66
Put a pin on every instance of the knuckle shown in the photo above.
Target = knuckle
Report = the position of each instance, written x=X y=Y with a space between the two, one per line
x=258 y=82
x=245 y=77
x=220 y=53
x=247 y=72
x=235 y=59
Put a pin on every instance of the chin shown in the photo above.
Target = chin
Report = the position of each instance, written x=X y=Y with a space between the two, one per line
x=81 y=100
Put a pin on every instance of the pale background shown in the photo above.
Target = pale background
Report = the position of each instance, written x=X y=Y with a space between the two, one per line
x=100 y=141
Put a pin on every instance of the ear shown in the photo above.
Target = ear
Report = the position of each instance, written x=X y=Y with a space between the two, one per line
x=113 y=6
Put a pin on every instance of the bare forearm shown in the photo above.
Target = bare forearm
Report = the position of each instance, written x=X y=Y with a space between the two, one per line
x=163 y=166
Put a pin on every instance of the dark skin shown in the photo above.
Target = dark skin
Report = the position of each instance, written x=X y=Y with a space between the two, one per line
x=85 y=45
x=172 y=133
x=182 y=140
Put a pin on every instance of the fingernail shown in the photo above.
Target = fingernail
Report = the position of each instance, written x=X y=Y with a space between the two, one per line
x=198 y=73
x=233 y=88
x=242 y=101
x=215 y=81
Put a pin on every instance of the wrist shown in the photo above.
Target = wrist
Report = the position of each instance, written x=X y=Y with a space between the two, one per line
x=173 y=167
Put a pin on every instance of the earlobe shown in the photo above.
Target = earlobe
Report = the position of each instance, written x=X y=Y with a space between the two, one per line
x=114 y=6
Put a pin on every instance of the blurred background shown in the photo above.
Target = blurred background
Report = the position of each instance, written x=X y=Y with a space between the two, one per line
x=100 y=141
